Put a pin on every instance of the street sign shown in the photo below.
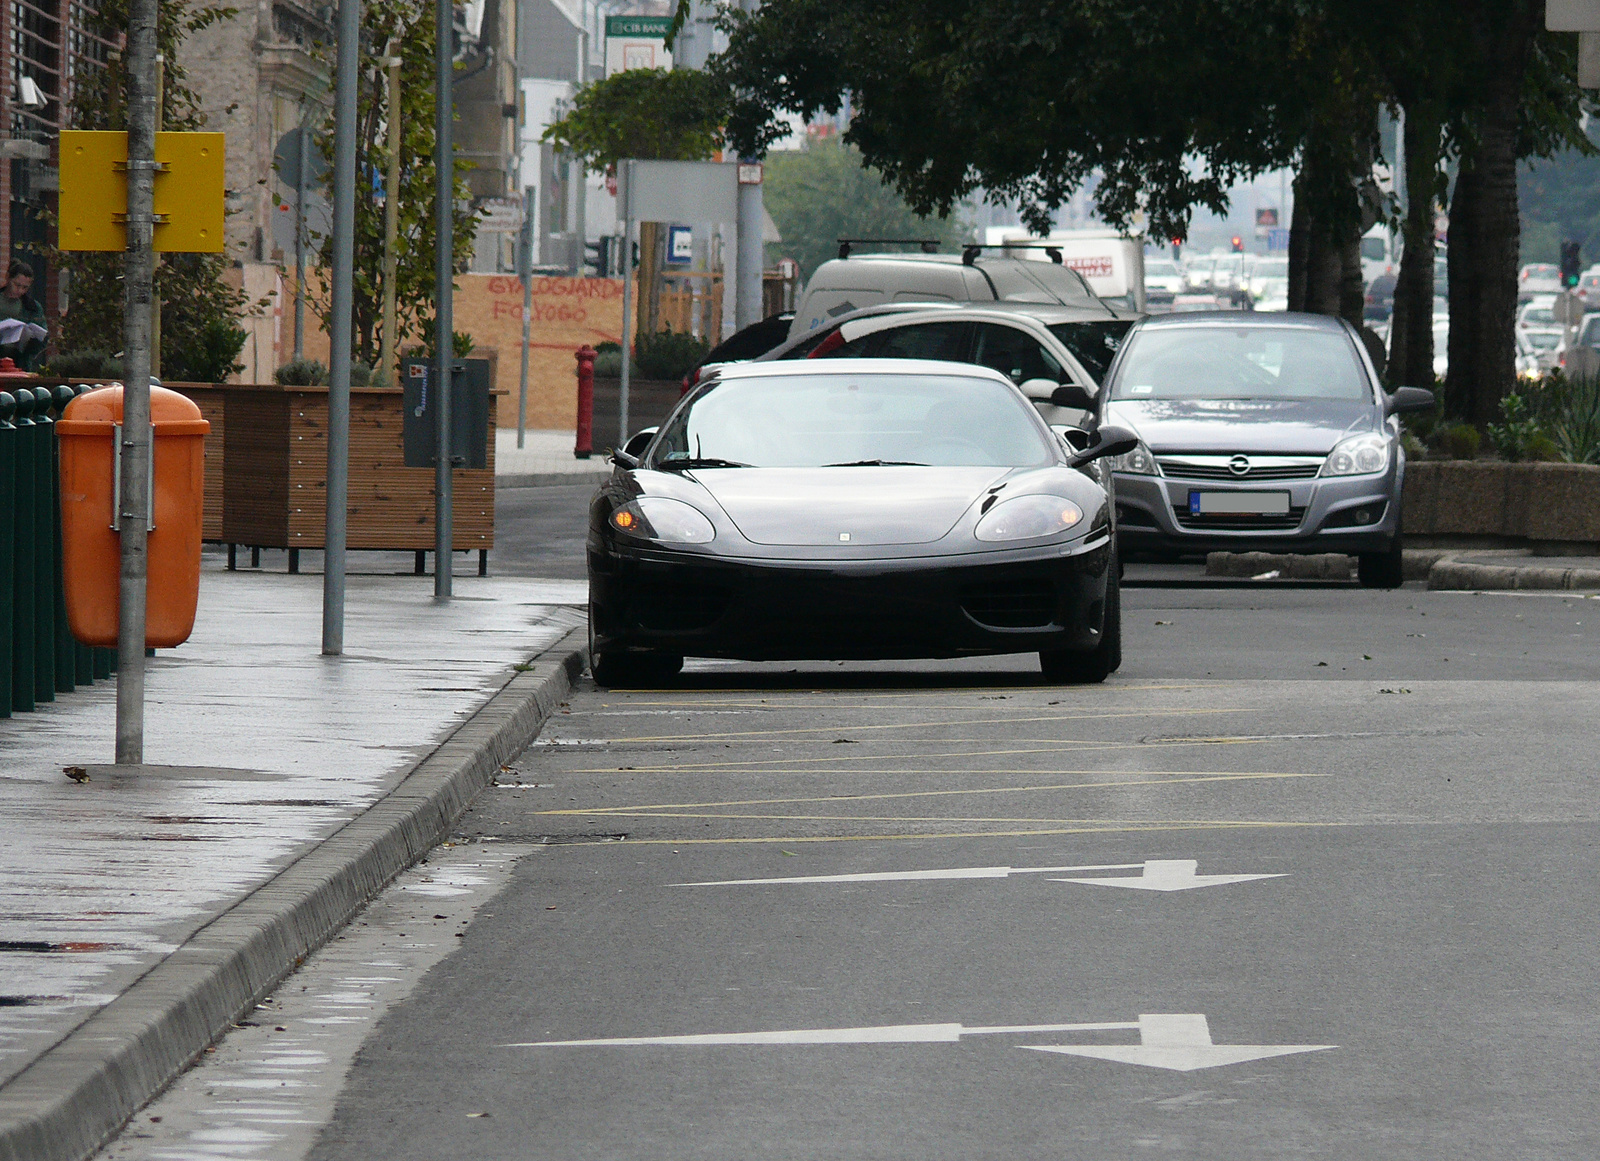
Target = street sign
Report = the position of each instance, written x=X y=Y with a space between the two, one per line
x=1572 y=15
x=1180 y=1042
x=188 y=191
x=1156 y=875
x=500 y=215
x=680 y=245
x=286 y=159
x=1277 y=241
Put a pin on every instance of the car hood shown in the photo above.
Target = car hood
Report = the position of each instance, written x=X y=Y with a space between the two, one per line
x=1265 y=426
x=855 y=506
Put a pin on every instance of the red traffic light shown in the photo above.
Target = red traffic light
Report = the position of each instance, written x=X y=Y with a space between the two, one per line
x=1238 y=244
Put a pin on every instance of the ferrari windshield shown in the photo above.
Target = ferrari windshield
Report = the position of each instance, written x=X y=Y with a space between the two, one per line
x=1247 y=362
x=860 y=419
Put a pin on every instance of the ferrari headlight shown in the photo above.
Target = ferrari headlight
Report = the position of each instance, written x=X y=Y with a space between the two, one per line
x=1028 y=517
x=1139 y=461
x=1360 y=455
x=664 y=519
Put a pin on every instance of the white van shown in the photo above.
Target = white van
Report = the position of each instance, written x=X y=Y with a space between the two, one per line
x=842 y=285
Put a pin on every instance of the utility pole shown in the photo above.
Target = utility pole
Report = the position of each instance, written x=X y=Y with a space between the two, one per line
x=752 y=217
x=525 y=272
x=300 y=183
x=133 y=509
x=391 y=219
x=443 y=293
x=344 y=226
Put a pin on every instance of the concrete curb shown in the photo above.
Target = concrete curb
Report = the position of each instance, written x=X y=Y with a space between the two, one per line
x=1460 y=575
x=70 y=1101
x=552 y=479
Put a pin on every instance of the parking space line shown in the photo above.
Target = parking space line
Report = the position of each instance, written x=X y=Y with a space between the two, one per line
x=1110 y=828
x=835 y=759
x=1000 y=721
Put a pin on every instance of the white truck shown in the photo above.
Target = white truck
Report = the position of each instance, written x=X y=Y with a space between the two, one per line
x=1113 y=263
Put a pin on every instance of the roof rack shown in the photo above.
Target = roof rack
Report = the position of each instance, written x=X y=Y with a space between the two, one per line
x=929 y=245
x=970 y=252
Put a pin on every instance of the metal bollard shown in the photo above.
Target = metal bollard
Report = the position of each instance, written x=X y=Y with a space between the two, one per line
x=8 y=532
x=47 y=523
x=66 y=659
x=25 y=513
x=585 y=444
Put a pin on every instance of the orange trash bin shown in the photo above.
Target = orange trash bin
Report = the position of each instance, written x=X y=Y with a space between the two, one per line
x=92 y=551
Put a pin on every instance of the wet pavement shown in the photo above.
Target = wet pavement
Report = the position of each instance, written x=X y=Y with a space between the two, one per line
x=258 y=746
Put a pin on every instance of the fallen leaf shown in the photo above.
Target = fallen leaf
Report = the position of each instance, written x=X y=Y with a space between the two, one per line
x=845 y=742
x=76 y=773
x=1323 y=664
x=787 y=854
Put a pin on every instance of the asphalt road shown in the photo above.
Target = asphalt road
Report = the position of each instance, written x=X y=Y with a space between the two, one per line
x=1406 y=778
x=540 y=531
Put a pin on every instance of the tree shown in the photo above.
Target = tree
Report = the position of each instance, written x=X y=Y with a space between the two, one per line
x=200 y=337
x=652 y=114
x=823 y=192
x=410 y=23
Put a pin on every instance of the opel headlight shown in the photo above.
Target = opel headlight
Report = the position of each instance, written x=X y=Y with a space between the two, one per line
x=1139 y=461
x=660 y=518
x=1028 y=517
x=1360 y=455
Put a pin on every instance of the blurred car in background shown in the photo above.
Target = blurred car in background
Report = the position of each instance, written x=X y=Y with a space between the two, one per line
x=1197 y=272
x=1538 y=278
x=1539 y=313
x=1538 y=351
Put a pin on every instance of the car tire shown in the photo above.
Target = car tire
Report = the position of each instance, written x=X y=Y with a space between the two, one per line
x=634 y=670
x=1069 y=667
x=1382 y=570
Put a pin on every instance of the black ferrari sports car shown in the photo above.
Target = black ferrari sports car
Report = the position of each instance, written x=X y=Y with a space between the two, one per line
x=855 y=509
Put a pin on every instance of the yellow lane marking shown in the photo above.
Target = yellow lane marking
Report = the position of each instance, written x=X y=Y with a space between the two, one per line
x=1181 y=776
x=866 y=838
x=792 y=697
x=1004 y=721
x=905 y=818
x=751 y=764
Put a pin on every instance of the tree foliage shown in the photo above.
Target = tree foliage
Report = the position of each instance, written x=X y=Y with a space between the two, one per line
x=410 y=22
x=200 y=337
x=644 y=113
x=823 y=192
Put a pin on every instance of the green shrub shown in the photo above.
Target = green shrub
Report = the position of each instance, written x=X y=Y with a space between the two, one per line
x=1459 y=441
x=87 y=364
x=301 y=373
x=1574 y=418
x=1513 y=438
x=1542 y=447
x=668 y=355
x=210 y=355
x=608 y=364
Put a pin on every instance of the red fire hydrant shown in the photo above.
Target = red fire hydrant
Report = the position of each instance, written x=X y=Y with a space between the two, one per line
x=585 y=444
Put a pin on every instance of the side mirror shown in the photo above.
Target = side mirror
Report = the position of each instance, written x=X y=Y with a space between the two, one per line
x=1074 y=437
x=1407 y=400
x=1109 y=440
x=1073 y=395
x=628 y=454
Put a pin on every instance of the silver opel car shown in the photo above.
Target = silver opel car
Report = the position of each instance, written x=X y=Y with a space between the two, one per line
x=1257 y=433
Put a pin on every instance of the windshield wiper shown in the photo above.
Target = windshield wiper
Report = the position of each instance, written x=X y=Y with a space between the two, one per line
x=878 y=464
x=690 y=462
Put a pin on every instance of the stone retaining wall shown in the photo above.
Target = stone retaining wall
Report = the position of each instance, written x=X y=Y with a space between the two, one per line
x=1516 y=502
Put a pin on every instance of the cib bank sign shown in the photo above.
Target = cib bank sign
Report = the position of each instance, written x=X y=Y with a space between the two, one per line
x=637 y=42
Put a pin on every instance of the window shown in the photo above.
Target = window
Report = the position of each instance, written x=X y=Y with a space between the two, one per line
x=946 y=340
x=1241 y=363
x=1015 y=353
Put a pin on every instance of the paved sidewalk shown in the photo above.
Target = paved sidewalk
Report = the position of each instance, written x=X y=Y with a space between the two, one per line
x=545 y=458
x=259 y=748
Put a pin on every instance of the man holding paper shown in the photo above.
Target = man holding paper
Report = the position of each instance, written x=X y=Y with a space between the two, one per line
x=22 y=329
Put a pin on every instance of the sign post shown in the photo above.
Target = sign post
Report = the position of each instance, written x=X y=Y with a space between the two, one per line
x=443 y=292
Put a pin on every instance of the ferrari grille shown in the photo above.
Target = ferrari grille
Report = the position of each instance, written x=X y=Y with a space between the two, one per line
x=1012 y=603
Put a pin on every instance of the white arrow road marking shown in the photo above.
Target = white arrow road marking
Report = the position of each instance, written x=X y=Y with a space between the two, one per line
x=1168 y=875
x=905 y=876
x=886 y=1034
x=1181 y=1043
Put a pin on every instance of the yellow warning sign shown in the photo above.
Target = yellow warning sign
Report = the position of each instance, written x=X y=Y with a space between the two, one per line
x=93 y=204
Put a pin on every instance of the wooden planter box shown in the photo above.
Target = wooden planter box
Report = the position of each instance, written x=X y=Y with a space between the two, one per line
x=649 y=402
x=1489 y=500
x=268 y=455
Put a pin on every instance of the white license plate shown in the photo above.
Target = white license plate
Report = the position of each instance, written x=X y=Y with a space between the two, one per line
x=1238 y=503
